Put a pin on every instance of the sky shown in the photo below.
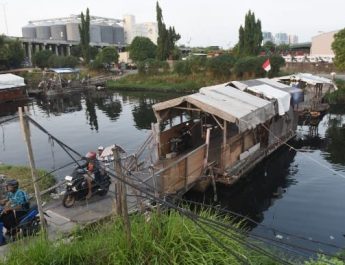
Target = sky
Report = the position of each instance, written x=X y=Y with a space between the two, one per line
x=199 y=22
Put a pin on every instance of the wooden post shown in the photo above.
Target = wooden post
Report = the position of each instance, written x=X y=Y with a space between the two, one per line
x=224 y=143
x=117 y=168
x=123 y=195
x=26 y=133
x=155 y=186
x=207 y=142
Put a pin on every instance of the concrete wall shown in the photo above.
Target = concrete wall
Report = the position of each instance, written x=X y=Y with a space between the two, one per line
x=322 y=44
x=313 y=68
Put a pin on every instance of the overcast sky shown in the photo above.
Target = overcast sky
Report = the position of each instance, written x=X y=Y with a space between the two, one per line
x=200 y=22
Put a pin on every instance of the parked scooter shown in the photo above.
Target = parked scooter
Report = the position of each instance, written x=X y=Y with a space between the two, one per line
x=28 y=225
x=77 y=189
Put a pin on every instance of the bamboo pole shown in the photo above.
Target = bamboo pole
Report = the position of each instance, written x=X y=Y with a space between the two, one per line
x=27 y=138
x=117 y=168
x=123 y=195
x=155 y=186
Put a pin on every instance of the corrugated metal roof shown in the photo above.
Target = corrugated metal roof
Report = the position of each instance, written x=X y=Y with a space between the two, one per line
x=306 y=77
x=11 y=81
x=226 y=102
x=64 y=70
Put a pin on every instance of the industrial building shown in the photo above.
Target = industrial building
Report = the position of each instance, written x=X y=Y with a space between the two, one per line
x=60 y=34
x=321 y=45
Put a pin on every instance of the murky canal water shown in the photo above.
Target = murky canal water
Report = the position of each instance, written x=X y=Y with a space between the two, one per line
x=302 y=193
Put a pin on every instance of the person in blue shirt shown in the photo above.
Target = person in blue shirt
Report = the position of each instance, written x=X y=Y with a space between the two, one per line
x=15 y=205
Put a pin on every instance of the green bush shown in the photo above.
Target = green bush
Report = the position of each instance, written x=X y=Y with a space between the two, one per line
x=221 y=66
x=183 y=67
x=40 y=58
x=55 y=61
x=149 y=67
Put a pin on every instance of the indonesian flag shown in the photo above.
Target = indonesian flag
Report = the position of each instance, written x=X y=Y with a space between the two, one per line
x=267 y=65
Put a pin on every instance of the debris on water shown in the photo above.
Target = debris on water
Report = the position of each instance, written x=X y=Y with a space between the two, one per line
x=279 y=236
x=332 y=237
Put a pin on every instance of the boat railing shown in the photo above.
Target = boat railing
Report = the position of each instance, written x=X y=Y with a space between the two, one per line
x=182 y=173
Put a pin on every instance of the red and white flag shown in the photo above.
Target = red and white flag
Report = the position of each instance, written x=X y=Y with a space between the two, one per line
x=267 y=65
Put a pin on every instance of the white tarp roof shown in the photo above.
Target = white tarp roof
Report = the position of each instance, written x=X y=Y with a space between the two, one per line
x=64 y=70
x=11 y=81
x=308 y=78
x=226 y=102
x=282 y=97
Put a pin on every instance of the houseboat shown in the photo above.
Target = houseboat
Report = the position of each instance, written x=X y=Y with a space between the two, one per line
x=315 y=88
x=12 y=88
x=221 y=132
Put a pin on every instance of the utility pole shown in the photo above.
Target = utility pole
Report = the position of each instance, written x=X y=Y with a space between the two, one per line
x=27 y=138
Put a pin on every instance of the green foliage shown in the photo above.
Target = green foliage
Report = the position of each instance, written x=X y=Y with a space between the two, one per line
x=221 y=65
x=23 y=175
x=151 y=67
x=40 y=58
x=252 y=66
x=183 y=67
x=166 y=37
x=11 y=53
x=142 y=48
x=109 y=55
x=84 y=31
x=250 y=36
x=165 y=239
x=105 y=58
x=338 y=47
x=55 y=61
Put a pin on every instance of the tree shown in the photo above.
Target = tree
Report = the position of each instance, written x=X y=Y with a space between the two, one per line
x=105 y=58
x=250 y=36
x=221 y=66
x=142 y=48
x=338 y=46
x=166 y=37
x=40 y=58
x=84 y=31
x=15 y=54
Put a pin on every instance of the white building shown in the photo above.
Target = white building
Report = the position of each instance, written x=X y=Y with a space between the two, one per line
x=281 y=38
x=145 y=29
x=293 y=39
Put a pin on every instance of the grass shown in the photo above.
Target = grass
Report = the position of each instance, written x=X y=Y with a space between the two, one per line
x=165 y=239
x=23 y=175
x=337 y=97
x=170 y=82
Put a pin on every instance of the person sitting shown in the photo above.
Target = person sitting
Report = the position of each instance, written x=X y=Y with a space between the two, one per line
x=93 y=169
x=15 y=205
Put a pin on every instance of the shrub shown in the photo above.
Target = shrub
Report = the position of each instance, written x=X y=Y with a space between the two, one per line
x=149 y=67
x=183 y=67
x=221 y=66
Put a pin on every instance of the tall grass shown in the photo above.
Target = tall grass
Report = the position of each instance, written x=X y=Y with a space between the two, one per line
x=23 y=175
x=164 y=239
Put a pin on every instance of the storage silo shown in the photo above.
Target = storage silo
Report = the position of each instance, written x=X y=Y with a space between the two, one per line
x=29 y=31
x=43 y=31
x=106 y=33
x=58 y=32
x=95 y=33
x=118 y=34
x=72 y=29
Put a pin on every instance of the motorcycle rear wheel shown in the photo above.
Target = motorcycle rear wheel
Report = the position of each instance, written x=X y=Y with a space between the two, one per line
x=68 y=200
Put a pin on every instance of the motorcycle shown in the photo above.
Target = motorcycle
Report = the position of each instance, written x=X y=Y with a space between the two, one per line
x=28 y=225
x=77 y=189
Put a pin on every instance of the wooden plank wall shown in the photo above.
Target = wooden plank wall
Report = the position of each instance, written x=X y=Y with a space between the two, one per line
x=238 y=144
x=184 y=173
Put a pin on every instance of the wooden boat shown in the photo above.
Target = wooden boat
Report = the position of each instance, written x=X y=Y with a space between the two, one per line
x=233 y=126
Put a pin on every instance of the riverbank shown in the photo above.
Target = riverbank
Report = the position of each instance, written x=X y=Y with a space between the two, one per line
x=23 y=175
x=164 y=82
x=156 y=239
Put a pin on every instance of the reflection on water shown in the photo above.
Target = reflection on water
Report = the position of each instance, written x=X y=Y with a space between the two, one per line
x=336 y=135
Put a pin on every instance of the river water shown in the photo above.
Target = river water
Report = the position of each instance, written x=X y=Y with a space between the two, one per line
x=298 y=192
